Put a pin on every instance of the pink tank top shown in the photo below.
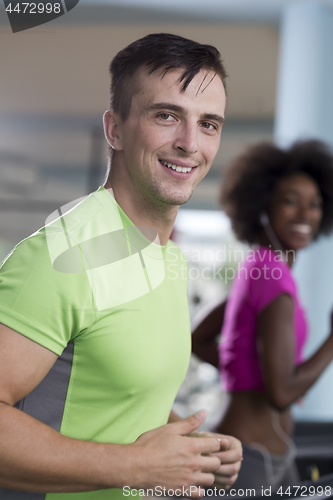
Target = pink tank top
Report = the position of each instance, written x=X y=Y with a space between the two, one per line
x=260 y=280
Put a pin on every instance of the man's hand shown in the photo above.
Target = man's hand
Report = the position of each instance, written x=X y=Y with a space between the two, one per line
x=230 y=455
x=168 y=457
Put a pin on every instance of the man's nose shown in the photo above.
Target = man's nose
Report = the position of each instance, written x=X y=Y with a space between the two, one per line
x=187 y=139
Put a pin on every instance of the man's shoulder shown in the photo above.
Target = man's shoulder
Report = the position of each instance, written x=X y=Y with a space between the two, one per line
x=65 y=228
x=84 y=217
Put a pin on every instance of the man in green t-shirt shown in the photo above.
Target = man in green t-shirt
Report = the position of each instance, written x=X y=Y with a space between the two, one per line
x=95 y=339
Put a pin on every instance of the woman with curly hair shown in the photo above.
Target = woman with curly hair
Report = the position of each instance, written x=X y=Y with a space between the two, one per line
x=279 y=201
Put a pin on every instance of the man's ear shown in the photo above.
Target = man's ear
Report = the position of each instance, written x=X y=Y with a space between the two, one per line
x=111 y=130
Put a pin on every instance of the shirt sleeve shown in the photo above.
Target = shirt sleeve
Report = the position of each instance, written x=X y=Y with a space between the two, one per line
x=45 y=305
x=268 y=281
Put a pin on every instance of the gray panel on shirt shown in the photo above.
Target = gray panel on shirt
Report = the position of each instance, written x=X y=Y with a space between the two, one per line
x=46 y=403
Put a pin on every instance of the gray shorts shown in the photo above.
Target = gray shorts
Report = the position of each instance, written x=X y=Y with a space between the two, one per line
x=261 y=469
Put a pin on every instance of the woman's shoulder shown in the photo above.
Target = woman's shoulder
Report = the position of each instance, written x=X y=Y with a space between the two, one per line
x=268 y=276
x=266 y=260
x=265 y=256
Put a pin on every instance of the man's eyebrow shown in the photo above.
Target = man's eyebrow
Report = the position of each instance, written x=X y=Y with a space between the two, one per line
x=179 y=109
x=167 y=105
x=210 y=116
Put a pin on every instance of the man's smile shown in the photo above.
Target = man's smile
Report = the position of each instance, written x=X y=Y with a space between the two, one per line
x=183 y=168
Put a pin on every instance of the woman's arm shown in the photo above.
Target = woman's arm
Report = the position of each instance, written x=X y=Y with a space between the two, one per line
x=204 y=335
x=285 y=382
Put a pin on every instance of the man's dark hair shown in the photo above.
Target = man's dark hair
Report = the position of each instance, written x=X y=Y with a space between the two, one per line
x=159 y=51
x=250 y=179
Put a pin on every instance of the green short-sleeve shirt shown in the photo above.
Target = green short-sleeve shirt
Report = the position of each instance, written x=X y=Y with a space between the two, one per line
x=112 y=303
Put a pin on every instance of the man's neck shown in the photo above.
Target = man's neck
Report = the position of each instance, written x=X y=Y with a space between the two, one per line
x=144 y=212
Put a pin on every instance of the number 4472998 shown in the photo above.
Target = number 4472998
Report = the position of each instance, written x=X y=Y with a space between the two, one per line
x=34 y=8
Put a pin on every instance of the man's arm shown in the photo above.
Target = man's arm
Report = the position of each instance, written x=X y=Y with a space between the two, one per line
x=34 y=457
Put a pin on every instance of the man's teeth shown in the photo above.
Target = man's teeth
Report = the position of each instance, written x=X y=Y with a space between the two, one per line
x=302 y=228
x=177 y=168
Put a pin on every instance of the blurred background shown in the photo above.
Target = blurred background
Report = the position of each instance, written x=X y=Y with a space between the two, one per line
x=54 y=89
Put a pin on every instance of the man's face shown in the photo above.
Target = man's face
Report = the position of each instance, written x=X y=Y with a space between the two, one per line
x=168 y=142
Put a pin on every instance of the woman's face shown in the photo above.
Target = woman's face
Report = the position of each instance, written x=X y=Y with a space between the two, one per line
x=296 y=210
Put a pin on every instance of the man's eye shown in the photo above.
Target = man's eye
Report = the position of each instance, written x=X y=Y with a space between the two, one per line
x=208 y=126
x=165 y=116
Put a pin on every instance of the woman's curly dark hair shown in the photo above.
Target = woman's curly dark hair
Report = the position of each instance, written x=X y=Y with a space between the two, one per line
x=249 y=181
